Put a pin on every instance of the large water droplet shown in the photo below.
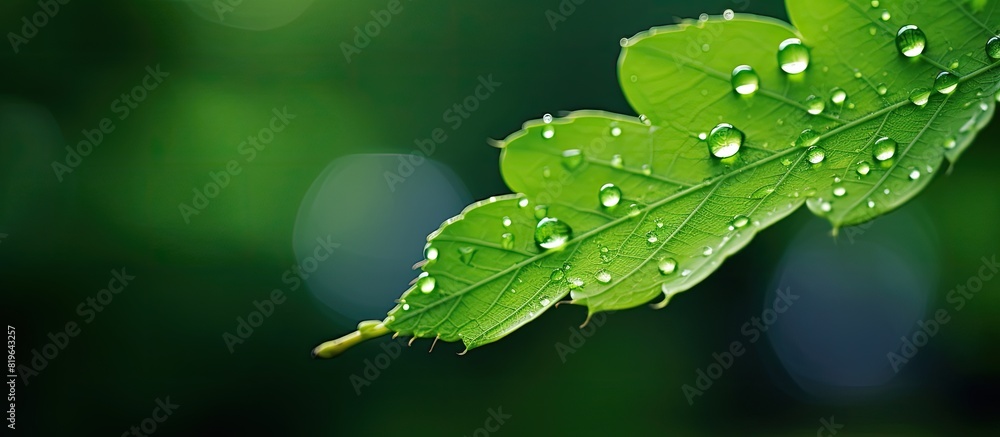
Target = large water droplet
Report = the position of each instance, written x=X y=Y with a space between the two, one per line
x=507 y=240
x=816 y=155
x=920 y=96
x=864 y=168
x=814 y=105
x=993 y=48
x=745 y=80
x=807 y=138
x=838 y=96
x=609 y=195
x=945 y=83
x=793 y=56
x=426 y=283
x=572 y=158
x=725 y=140
x=550 y=233
x=884 y=149
x=667 y=266
x=910 y=40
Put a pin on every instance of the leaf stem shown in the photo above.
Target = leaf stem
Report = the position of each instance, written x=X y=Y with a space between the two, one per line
x=367 y=330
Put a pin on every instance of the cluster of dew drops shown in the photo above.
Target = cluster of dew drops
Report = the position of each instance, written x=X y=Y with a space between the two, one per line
x=724 y=141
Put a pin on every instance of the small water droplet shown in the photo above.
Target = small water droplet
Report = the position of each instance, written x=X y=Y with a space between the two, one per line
x=871 y=203
x=887 y=191
x=816 y=155
x=623 y=42
x=575 y=282
x=545 y=302
x=874 y=3
x=814 y=105
x=825 y=207
x=725 y=140
x=425 y=283
x=686 y=273
x=728 y=14
x=550 y=233
x=430 y=252
x=838 y=96
x=864 y=168
x=465 y=254
x=546 y=172
x=945 y=82
x=872 y=30
x=920 y=96
x=881 y=89
x=617 y=161
x=914 y=174
x=644 y=120
x=884 y=149
x=572 y=158
x=807 y=138
x=548 y=132
x=506 y=221
x=993 y=48
x=667 y=266
x=541 y=211
x=615 y=130
x=707 y=251
x=634 y=210
x=646 y=169
x=609 y=195
x=547 y=118
x=910 y=40
x=507 y=240
x=522 y=202
x=739 y=221
x=557 y=275
x=406 y=307
x=793 y=56
x=950 y=143
x=885 y=16
x=745 y=80
x=839 y=191
x=603 y=276
x=651 y=237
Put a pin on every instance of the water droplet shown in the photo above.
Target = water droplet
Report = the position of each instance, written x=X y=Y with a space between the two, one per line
x=548 y=132
x=881 y=89
x=572 y=158
x=406 y=307
x=885 y=16
x=425 y=283
x=703 y=17
x=686 y=273
x=993 y=48
x=430 y=252
x=702 y=136
x=465 y=254
x=872 y=30
x=724 y=140
x=575 y=282
x=707 y=251
x=816 y=155
x=507 y=240
x=887 y=191
x=651 y=237
x=617 y=161
x=522 y=202
x=871 y=203
x=826 y=207
x=603 y=276
x=609 y=195
x=546 y=172
x=623 y=42
x=557 y=275
x=545 y=302
x=505 y=221
x=634 y=210
x=740 y=221
x=615 y=130
x=667 y=266
x=541 y=211
x=910 y=40
x=728 y=14
x=914 y=174
x=807 y=138
x=839 y=191
x=644 y=120
x=745 y=80
x=646 y=169
x=793 y=56
x=857 y=73
x=884 y=149
x=874 y=3
x=838 y=96
x=550 y=233
x=547 y=118
x=814 y=105
x=950 y=143
x=945 y=83
x=864 y=168
x=920 y=96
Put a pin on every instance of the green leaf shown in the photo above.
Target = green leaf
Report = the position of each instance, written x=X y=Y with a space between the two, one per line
x=681 y=210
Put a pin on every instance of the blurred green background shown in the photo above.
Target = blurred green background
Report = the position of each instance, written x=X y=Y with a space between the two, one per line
x=163 y=336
